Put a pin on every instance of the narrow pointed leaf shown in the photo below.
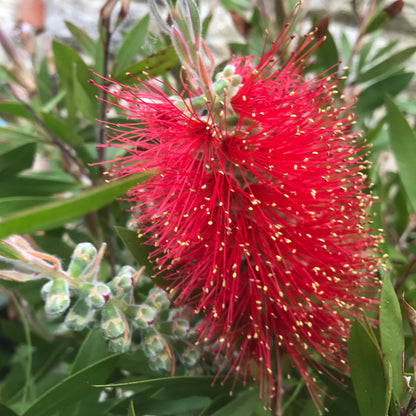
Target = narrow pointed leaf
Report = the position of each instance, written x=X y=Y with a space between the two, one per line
x=367 y=372
x=73 y=388
x=391 y=334
x=403 y=144
x=153 y=65
x=57 y=213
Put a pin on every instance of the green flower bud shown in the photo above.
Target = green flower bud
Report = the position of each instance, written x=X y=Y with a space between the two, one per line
x=219 y=86
x=153 y=345
x=79 y=316
x=228 y=71
x=180 y=328
x=158 y=298
x=44 y=292
x=190 y=356
x=97 y=293
x=145 y=316
x=236 y=80
x=57 y=296
x=121 y=344
x=112 y=323
x=123 y=283
x=82 y=259
x=160 y=362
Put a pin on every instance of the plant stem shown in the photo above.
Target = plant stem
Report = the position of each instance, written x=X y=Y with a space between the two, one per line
x=72 y=164
x=409 y=408
x=406 y=274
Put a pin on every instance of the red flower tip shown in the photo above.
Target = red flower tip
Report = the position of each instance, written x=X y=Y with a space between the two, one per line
x=258 y=213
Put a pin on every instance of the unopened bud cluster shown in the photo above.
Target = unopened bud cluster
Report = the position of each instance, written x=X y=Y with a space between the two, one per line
x=88 y=302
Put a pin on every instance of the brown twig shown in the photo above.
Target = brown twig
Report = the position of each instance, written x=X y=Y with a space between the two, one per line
x=406 y=274
x=409 y=408
x=72 y=164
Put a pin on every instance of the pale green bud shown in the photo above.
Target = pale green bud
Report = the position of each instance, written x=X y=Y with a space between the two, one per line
x=190 y=356
x=145 y=315
x=228 y=71
x=79 y=316
x=158 y=298
x=57 y=296
x=121 y=344
x=160 y=362
x=112 y=323
x=97 y=293
x=153 y=345
x=180 y=328
x=123 y=283
x=220 y=86
x=82 y=259
x=44 y=292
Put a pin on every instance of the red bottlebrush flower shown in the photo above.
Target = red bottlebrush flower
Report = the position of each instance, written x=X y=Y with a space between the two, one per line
x=257 y=210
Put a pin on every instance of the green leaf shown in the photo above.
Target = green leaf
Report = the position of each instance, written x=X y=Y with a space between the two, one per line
x=132 y=44
x=378 y=21
x=180 y=385
x=36 y=184
x=12 y=204
x=387 y=66
x=244 y=404
x=6 y=411
x=60 y=212
x=16 y=158
x=59 y=128
x=15 y=135
x=154 y=65
x=136 y=247
x=131 y=410
x=367 y=372
x=14 y=109
x=403 y=144
x=391 y=334
x=73 y=388
x=93 y=349
x=85 y=42
x=373 y=96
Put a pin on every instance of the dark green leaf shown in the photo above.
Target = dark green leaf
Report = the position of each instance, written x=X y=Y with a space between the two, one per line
x=14 y=109
x=131 y=410
x=327 y=54
x=373 y=96
x=63 y=210
x=65 y=59
x=6 y=411
x=93 y=349
x=132 y=44
x=391 y=334
x=16 y=158
x=153 y=65
x=13 y=136
x=136 y=247
x=12 y=204
x=84 y=41
x=378 y=21
x=403 y=144
x=244 y=404
x=36 y=184
x=180 y=385
x=73 y=388
x=367 y=372
x=389 y=65
x=44 y=82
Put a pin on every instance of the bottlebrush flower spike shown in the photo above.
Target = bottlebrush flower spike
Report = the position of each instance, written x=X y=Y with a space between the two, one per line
x=257 y=212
